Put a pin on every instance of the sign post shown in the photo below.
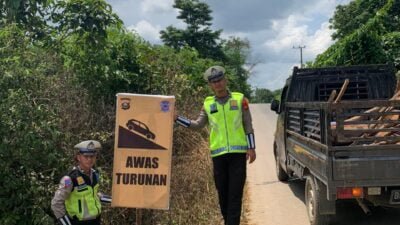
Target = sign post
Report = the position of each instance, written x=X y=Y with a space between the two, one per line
x=138 y=217
x=143 y=151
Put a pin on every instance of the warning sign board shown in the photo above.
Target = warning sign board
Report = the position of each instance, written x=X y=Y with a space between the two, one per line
x=142 y=151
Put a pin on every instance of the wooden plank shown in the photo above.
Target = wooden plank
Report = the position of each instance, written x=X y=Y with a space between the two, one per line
x=383 y=121
x=366 y=104
x=370 y=138
x=356 y=131
x=390 y=149
x=332 y=96
x=366 y=114
x=342 y=91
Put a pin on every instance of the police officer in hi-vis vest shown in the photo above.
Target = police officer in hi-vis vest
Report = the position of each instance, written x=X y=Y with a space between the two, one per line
x=231 y=141
x=77 y=200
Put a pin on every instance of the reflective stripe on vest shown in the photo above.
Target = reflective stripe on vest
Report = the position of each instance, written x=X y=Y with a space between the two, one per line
x=83 y=202
x=227 y=133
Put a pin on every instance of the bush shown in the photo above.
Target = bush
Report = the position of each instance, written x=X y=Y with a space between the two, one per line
x=30 y=153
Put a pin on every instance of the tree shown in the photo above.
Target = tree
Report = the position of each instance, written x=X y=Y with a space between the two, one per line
x=262 y=95
x=371 y=41
x=237 y=52
x=233 y=53
x=28 y=14
x=198 y=33
x=391 y=47
x=351 y=17
x=42 y=19
x=87 y=19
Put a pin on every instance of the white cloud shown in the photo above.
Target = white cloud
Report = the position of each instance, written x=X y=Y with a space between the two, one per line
x=146 y=30
x=274 y=79
x=288 y=32
x=292 y=31
x=295 y=31
x=320 y=40
x=157 y=6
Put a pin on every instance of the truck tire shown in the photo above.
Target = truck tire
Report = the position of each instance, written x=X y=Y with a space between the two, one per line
x=312 y=200
x=280 y=173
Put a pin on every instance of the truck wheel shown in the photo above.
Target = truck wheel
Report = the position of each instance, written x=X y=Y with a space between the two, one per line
x=312 y=198
x=280 y=173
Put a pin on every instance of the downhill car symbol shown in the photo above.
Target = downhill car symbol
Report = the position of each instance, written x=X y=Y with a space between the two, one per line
x=141 y=128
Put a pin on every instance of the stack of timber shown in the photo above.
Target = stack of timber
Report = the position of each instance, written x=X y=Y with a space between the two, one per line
x=374 y=126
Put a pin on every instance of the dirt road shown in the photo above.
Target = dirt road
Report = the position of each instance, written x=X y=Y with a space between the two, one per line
x=276 y=203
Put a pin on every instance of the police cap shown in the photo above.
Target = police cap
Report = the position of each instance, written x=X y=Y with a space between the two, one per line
x=214 y=73
x=89 y=147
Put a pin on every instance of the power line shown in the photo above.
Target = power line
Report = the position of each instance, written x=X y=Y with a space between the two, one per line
x=301 y=54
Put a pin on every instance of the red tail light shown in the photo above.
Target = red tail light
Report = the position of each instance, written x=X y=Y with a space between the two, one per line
x=350 y=192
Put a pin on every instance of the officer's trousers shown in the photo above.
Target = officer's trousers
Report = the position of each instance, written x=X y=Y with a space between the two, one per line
x=96 y=221
x=230 y=177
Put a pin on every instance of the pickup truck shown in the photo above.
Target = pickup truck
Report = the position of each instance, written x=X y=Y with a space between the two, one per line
x=346 y=148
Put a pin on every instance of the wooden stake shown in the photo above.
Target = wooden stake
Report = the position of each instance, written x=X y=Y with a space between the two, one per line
x=397 y=86
x=342 y=90
x=138 y=217
x=332 y=96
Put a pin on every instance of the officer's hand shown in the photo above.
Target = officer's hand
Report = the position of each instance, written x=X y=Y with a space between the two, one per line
x=251 y=155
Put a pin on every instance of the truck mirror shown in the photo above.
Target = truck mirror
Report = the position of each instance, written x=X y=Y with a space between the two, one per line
x=275 y=106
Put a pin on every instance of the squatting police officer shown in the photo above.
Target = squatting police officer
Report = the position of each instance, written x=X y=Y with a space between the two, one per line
x=77 y=200
x=231 y=141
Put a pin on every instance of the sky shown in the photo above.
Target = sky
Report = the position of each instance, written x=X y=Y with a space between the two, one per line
x=274 y=28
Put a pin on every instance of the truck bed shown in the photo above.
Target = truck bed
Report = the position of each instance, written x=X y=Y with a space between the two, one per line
x=341 y=151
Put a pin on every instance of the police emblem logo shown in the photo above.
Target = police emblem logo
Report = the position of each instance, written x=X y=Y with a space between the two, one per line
x=80 y=180
x=233 y=105
x=66 y=182
x=164 y=106
x=90 y=146
x=213 y=108
x=125 y=103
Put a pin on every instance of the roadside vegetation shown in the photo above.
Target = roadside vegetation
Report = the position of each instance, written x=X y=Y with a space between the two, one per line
x=62 y=62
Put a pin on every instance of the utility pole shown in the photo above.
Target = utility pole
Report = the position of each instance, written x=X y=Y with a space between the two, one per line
x=301 y=54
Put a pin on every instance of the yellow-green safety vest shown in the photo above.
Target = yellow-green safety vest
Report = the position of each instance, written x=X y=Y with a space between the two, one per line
x=83 y=202
x=227 y=133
